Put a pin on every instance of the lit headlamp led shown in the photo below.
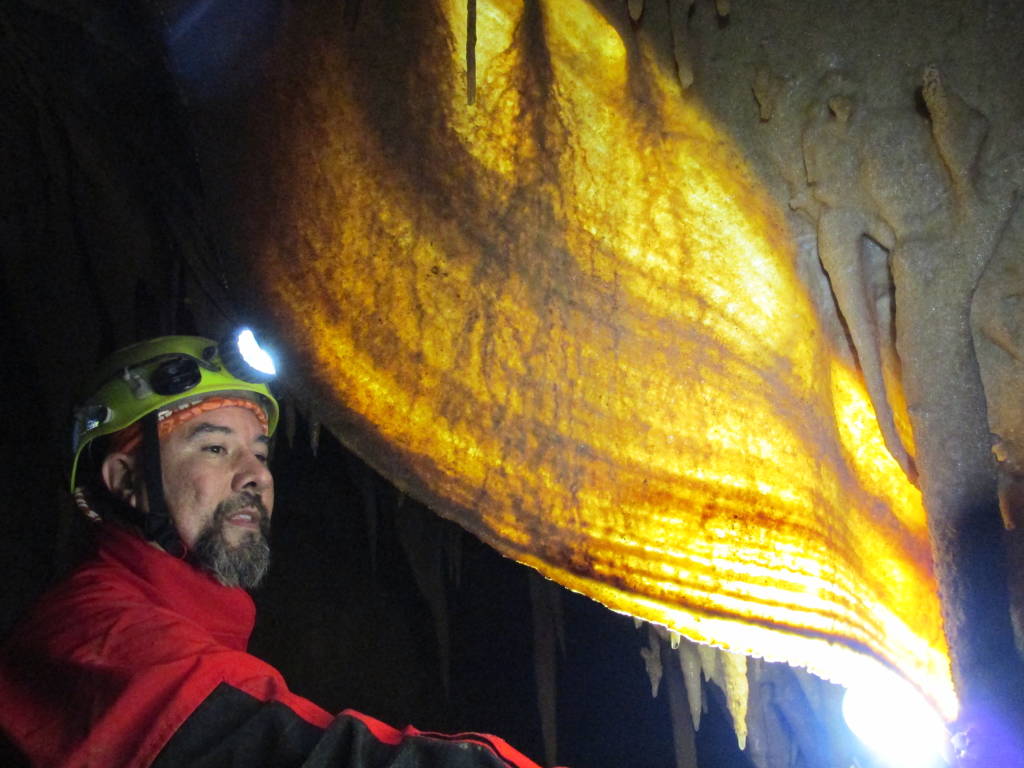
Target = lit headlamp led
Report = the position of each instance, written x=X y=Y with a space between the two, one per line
x=245 y=359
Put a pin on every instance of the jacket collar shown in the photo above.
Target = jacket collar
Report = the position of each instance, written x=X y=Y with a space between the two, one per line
x=228 y=613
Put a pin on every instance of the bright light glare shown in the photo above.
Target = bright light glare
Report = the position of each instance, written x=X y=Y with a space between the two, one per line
x=895 y=721
x=254 y=354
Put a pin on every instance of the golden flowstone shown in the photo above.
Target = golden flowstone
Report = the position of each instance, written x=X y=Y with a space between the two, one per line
x=568 y=318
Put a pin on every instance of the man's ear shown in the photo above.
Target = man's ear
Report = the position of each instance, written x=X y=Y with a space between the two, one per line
x=120 y=477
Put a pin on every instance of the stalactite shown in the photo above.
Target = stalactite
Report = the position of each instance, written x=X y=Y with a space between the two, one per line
x=453 y=552
x=729 y=672
x=679 y=11
x=421 y=534
x=470 y=51
x=314 y=436
x=683 y=732
x=548 y=637
x=936 y=270
x=651 y=654
x=370 y=516
x=364 y=479
x=853 y=245
x=689 y=665
x=767 y=88
x=722 y=7
x=737 y=692
x=959 y=131
x=289 y=419
x=636 y=9
x=770 y=744
x=997 y=327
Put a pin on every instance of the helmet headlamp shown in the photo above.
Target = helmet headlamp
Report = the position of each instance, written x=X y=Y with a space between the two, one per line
x=154 y=374
x=243 y=356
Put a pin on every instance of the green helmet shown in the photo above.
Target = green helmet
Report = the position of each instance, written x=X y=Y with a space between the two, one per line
x=150 y=375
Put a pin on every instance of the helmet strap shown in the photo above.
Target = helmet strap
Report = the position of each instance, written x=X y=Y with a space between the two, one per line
x=157 y=524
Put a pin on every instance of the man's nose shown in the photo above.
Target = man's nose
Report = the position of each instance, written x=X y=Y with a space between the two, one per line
x=252 y=474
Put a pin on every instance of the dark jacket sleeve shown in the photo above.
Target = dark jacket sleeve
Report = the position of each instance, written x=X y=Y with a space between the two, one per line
x=232 y=728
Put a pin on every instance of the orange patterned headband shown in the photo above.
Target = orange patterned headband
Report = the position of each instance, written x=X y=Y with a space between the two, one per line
x=128 y=439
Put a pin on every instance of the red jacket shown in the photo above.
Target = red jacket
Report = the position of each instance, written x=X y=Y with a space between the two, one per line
x=114 y=662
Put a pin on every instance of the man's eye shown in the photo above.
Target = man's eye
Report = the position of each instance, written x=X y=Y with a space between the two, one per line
x=214 y=448
x=261 y=458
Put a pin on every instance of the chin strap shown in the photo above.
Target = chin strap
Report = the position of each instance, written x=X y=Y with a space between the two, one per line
x=156 y=524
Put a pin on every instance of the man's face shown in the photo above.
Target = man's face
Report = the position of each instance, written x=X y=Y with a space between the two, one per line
x=220 y=493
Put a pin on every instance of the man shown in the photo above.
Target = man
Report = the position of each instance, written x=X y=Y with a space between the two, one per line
x=139 y=657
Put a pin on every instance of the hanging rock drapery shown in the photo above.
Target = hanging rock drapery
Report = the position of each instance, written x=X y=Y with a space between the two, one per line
x=568 y=318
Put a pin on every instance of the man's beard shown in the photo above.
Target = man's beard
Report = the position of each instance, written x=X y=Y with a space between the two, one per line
x=245 y=564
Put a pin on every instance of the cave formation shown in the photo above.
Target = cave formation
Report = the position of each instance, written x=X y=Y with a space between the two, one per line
x=184 y=165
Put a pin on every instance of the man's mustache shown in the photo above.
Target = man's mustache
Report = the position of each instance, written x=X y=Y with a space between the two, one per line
x=244 y=500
